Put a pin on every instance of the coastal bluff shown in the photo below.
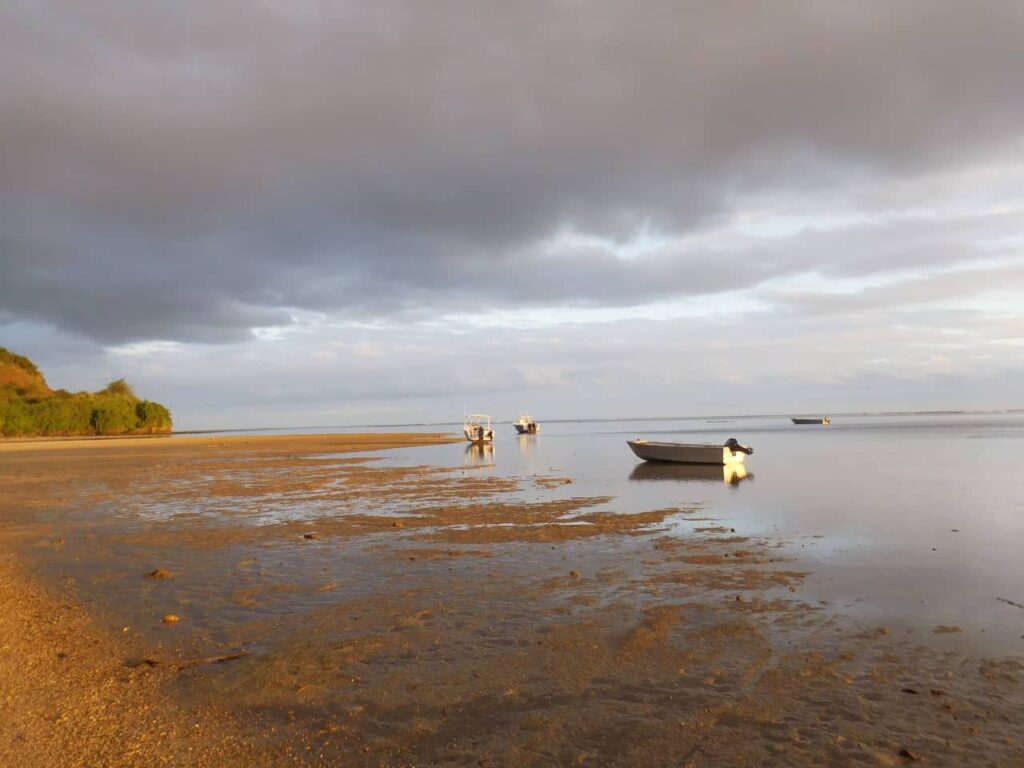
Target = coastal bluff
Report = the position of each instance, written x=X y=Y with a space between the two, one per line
x=29 y=408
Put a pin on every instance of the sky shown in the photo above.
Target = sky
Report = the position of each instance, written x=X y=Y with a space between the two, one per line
x=299 y=213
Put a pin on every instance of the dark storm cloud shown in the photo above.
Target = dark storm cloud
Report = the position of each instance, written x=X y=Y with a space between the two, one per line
x=184 y=170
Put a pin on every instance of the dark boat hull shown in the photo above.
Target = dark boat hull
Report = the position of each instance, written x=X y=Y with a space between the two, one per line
x=685 y=453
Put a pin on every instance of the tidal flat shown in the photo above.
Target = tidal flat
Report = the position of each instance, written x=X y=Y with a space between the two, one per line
x=285 y=601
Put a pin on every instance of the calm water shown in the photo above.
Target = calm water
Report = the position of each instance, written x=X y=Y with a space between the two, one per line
x=911 y=522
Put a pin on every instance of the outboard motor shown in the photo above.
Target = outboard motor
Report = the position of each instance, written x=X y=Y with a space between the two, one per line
x=734 y=445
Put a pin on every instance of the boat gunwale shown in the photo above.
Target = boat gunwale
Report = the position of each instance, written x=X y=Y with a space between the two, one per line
x=675 y=445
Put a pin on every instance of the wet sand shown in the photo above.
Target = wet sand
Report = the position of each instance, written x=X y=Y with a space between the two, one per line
x=331 y=610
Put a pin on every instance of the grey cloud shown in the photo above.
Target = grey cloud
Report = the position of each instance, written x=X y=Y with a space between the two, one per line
x=183 y=171
x=778 y=362
x=118 y=289
x=911 y=293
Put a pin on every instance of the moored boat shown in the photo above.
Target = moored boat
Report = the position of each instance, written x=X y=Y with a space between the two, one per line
x=477 y=428
x=823 y=420
x=525 y=425
x=691 y=453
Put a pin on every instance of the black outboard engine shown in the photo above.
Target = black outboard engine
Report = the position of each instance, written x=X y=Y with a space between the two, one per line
x=734 y=445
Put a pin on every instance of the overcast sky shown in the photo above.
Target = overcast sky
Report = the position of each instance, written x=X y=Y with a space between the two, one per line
x=297 y=213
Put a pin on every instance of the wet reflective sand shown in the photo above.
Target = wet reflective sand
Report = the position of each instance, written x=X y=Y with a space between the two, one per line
x=470 y=609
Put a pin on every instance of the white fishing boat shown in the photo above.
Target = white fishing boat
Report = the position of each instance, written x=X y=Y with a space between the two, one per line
x=477 y=428
x=691 y=453
x=525 y=425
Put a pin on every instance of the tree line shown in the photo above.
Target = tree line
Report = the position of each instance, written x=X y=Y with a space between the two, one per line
x=28 y=407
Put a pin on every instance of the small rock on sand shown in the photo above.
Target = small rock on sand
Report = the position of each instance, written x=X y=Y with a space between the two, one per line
x=160 y=573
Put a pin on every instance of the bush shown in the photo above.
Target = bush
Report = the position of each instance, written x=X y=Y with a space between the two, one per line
x=64 y=416
x=118 y=387
x=152 y=417
x=114 y=416
x=16 y=418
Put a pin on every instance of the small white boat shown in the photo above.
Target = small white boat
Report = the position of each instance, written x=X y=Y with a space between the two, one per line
x=691 y=453
x=525 y=425
x=477 y=428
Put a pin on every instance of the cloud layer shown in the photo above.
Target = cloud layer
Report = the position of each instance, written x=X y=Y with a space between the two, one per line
x=227 y=172
x=195 y=168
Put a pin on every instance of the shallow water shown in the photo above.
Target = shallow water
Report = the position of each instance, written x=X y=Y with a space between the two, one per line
x=911 y=521
x=442 y=605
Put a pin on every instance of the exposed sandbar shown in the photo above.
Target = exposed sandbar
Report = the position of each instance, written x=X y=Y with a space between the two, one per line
x=337 y=610
x=249 y=444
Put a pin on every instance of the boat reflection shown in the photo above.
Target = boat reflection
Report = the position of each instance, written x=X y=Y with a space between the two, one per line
x=479 y=455
x=526 y=443
x=730 y=474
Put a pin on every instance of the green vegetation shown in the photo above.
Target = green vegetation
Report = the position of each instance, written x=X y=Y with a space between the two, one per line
x=29 y=407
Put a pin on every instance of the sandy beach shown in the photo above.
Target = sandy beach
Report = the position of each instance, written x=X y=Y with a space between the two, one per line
x=242 y=600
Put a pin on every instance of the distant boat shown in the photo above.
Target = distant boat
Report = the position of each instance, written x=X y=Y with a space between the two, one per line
x=525 y=425
x=824 y=420
x=477 y=428
x=691 y=453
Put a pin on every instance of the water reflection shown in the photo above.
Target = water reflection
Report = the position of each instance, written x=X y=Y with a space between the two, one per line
x=902 y=485
x=479 y=455
x=730 y=474
x=527 y=444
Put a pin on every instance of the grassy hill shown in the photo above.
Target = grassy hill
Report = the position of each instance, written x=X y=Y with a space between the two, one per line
x=29 y=407
x=21 y=374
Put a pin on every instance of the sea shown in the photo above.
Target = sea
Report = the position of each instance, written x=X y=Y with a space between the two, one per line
x=914 y=522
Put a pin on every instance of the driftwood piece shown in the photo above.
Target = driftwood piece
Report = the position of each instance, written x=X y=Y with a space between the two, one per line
x=184 y=663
